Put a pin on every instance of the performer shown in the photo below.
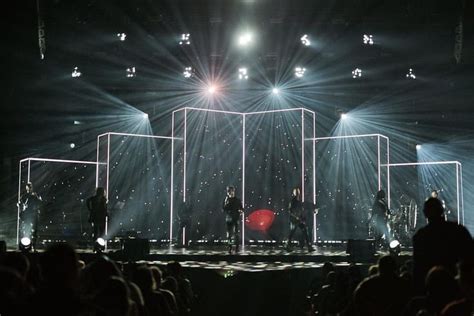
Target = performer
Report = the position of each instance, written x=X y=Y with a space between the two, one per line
x=232 y=207
x=184 y=217
x=297 y=210
x=97 y=206
x=379 y=219
x=30 y=207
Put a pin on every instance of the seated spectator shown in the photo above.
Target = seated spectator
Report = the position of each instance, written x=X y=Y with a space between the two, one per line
x=114 y=299
x=59 y=293
x=382 y=294
x=185 y=291
x=441 y=288
x=440 y=243
x=464 y=306
x=155 y=302
x=12 y=292
x=170 y=298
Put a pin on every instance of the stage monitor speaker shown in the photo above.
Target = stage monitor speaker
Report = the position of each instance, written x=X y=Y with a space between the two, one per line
x=362 y=250
x=135 y=249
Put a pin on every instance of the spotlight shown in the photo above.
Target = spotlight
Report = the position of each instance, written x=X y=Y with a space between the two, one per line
x=275 y=91
x=356 y=73
x=418 y=147
x=72 y=145
x=25 y=244
x=185 y=39
x=410 y=74
x=305 y=40
x=76 y=73
x=145 y=115
x=211 y=89
x=77 y=122
x=99 y=244
x=245 y=39
x=368 y=39
x=122 y=36
x=395 y=247
x=188 y=72
x=299 y=72
x=131 y=72
x=343 y=116
x=243 y=74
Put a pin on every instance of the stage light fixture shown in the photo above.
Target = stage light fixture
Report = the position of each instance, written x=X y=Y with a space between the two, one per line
x=395 y=247
x=185 y=39
x=145 y=115
x=72 y=145
x=245 y=39
x=122 y=36
x=75 y=72
x=410 y=74
x=77 y=122
x=344 y=116
x=275 y=91
x=243 y=74
x=368 y=39
x=356 y=73
x=99 y=244
x=188 y=72
x=305 y=40
x=299 y=72
x=131 y=72
x=25 y=244
x=418 y=147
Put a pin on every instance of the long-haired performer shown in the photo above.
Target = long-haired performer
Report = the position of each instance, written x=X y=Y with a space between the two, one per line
x=232 y=207
x=97 y=206
x=297 y=212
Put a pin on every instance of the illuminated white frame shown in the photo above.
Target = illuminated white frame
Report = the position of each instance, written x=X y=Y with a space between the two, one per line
x=29 y=160
x=379 y=166
x=459 y=184
x=244 y=115
x=107 y=163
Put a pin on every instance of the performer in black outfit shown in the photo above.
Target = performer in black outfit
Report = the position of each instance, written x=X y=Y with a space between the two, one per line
x=379 y=218
x=30 y=208
x=184 y=218
x=297 y=210
x=97 y=206
x=232 y=207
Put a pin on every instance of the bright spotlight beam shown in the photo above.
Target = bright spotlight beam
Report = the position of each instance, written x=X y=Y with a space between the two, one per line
x=275 y=91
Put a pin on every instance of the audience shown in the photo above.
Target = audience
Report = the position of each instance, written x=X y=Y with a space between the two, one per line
x=440 y=243
x=60 y=284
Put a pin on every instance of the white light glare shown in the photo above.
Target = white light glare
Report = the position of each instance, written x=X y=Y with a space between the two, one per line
x=356 y=73
x=394 y=244
x=275 y=91
x=418 y=147
x=145 y=115
x=243 y=75
x=77 y=123
x=25 y=241
x=101 y=241
x=343 y=116
x=305 y=40
x=368 y=39
x=211 y=89
x=76 y=73
x=131 y=72
x=245 y=39
x=185 y=39
x=122 y=36
x=188 y=72
x=72 y=145
x=411 y=74
x=299 y=72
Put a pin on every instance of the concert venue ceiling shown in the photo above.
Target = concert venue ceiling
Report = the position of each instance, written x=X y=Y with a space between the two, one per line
x=416 y=82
